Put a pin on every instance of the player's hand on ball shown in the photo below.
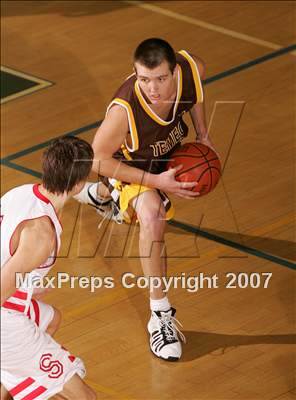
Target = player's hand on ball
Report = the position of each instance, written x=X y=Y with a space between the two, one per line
x=195 y=162
x=168 y=183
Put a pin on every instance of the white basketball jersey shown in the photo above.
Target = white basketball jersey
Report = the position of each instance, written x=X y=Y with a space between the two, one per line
x=21 y=204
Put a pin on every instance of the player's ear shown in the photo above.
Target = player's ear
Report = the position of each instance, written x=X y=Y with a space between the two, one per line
x=175 y=71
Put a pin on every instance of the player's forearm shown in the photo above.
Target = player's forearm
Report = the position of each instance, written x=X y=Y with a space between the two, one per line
x=198 y=117
x=116 y=169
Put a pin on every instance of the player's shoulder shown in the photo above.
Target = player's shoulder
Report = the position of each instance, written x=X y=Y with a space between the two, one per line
x=190 y=58
x=39 y=229
x=16 y=192
x=117 y=113
x=36 y=240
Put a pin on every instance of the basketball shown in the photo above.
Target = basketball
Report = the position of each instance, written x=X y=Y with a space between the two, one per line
x=200 y=163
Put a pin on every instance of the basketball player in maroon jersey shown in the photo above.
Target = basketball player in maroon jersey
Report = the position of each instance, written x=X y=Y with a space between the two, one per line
x=142 y=127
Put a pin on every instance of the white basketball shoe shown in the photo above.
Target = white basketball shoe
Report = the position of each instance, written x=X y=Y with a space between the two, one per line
x=165 y=336
x=105 y=207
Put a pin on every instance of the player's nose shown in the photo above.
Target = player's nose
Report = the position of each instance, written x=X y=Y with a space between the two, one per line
x=154 y=88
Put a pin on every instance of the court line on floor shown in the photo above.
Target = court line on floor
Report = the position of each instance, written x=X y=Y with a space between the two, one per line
x=229 y=243
x=41 y=145
x=21 y=168
x=40 y=84
x=205 y=25
x=103 y=389
x=94 y=125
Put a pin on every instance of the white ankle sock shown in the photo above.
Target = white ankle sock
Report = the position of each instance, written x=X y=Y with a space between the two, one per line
x=160 y=305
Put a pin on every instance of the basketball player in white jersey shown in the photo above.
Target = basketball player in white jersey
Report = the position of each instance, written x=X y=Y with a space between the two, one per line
x=33 y=364
x=142 y=127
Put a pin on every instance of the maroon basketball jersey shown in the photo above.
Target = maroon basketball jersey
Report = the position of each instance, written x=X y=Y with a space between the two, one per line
x=154 y=139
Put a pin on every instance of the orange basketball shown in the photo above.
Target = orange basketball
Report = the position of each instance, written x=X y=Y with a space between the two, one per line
x=200 y=164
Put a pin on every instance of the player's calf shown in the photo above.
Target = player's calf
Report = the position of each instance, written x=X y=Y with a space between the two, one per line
x=5 y=394
x=77 y=389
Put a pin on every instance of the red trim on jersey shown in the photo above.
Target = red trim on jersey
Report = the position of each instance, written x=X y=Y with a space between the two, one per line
x=39 y=194
x=20 y=295
x=35 y=393
x=29 y=311
x=13 y=306
x=21 y=386
x=71 y=358
x=45 y=199
x=36 y=311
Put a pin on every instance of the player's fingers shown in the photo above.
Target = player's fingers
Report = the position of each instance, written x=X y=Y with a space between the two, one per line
x=178 y=168
x=187 y=185
x=185 y=196
x=189 y=193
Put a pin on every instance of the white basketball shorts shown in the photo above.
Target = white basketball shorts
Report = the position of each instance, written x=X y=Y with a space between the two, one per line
x=33 y=364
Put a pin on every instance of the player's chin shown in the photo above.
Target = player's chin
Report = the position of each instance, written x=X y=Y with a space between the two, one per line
x=155 y=100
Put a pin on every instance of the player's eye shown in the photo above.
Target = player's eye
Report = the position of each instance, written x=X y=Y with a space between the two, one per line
x=161 y=79
x=144 y=80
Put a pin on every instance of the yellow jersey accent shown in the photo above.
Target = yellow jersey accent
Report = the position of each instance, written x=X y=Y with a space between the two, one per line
x=195 y=73
x=150 y=112
x=131 y=123
x=125 y=152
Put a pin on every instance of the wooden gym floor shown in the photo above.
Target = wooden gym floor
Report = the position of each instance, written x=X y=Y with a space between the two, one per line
x=239 y=341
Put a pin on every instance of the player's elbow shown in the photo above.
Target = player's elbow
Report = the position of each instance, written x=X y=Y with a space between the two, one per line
x=100 y=162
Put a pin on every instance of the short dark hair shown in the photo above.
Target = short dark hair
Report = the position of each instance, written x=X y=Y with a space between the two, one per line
x=152 y=52
x=66 y=162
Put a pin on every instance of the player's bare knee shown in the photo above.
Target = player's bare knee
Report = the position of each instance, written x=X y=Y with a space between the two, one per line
x=77 y=389
x=92 y=396
x=87 y=394
x=152 y=222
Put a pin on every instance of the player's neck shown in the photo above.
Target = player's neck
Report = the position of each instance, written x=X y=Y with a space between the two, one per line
x=58 y=201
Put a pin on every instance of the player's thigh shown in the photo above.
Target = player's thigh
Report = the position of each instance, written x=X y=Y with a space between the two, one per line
x=4 y=394
x=149 y=207
x=32 y=360
x=77 y=389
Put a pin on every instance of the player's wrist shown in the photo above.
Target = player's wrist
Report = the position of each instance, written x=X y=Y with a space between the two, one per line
x=202 y=135
x=151 y=180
